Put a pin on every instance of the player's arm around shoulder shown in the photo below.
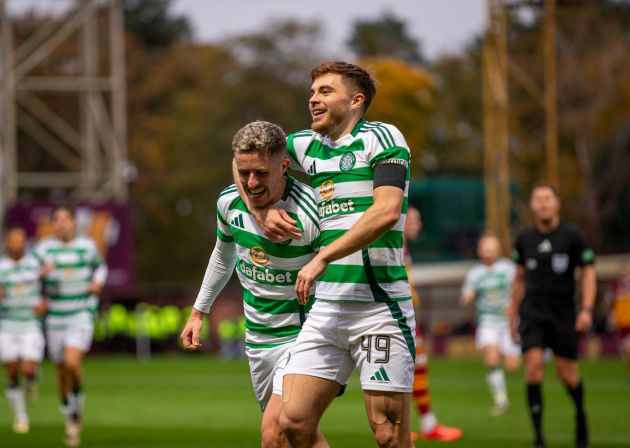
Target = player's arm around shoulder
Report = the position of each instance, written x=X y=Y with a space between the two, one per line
x=381 y=216
x=274 y=221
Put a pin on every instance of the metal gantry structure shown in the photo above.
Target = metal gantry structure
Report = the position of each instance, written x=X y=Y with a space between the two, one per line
x=93 y=150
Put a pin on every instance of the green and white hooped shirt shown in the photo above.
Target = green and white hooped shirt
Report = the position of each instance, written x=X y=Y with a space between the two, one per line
x=266 y=270
x=76 y=264
x=21 y=286
x=342 y=176
x=492 y=286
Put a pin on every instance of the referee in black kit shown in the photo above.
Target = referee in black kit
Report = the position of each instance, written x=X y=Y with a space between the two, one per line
x=543 y=300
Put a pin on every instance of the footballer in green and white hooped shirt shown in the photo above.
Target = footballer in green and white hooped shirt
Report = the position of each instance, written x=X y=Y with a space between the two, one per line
x=489 y=285
x=266 y=270
x=74 y=276
x=21 y=337
x=363 y=317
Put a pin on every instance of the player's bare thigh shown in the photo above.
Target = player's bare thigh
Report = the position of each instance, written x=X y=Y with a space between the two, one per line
x=306 y=397
x=304 y=400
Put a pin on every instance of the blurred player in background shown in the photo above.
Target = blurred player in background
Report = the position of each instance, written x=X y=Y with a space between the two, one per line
x=267 y=271
x=74 y=276
x=543 y=291
x=618 y=299
x=431 y=429
x=21 y=336
x=489 y=285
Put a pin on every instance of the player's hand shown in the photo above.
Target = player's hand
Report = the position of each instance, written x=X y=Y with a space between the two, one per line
x=583 y=321
x=466 y=299
x=306 y=278
x=277 y=225
x=95 y=288
x=513 y=321
x=1 y=293
x=47 y=268
x=41 y=308
x=191 y=332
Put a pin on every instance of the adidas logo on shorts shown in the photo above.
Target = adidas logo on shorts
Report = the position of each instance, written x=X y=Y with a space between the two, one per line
x=380 y=376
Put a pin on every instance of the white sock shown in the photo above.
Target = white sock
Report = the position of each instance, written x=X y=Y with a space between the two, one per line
x=15 y=395
x=428 y=421
x=496 y=382
x=76 y=402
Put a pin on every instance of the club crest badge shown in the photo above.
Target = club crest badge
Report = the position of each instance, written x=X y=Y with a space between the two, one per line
x=347 y=161
x=559 y=263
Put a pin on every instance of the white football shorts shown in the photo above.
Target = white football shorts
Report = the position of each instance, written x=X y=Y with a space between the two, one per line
x=376 y=338
x=27 y=346
x=78 y=335
x=498 y=335
x=266 y=368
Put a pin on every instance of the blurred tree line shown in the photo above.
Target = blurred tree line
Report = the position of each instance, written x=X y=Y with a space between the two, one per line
x=186 y=100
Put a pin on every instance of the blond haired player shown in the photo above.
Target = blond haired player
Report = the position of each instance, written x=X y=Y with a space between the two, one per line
x=267 y=271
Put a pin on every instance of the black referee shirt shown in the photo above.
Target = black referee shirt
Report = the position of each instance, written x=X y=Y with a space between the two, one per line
x=550 y=261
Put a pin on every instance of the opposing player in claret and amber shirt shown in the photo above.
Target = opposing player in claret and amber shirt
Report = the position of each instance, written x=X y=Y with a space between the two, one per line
x=618 y=298
x=430 y=428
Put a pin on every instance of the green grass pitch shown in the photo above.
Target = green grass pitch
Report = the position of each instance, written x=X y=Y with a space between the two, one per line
x=198 y=401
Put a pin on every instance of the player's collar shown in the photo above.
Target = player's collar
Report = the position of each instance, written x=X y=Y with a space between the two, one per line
x=357 y=127
x=287 y=187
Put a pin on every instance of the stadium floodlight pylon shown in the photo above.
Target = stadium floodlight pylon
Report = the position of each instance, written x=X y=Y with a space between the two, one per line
x=495 y=125
x=92 y=152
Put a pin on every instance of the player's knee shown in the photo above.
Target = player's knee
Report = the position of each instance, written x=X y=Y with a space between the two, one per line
x=295 y=428
x=568 y=375
x=273 y=436
x=72 y=365
x=386 y=436
x=29 y=371
x=534 y=373
x=511 y=365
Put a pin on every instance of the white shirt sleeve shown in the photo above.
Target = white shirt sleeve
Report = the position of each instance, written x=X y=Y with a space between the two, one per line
x=100 y=274
x=218 y=273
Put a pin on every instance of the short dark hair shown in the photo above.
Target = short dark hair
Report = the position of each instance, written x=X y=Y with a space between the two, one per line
x=71 y=209
x=350 y=73
x=260 y=136
x=544 y=184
